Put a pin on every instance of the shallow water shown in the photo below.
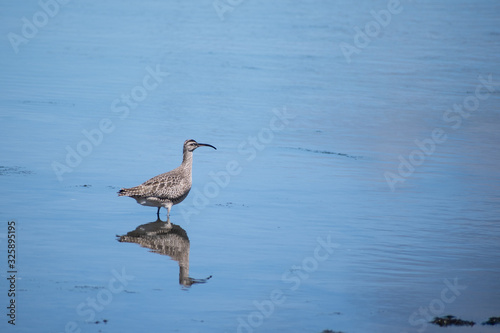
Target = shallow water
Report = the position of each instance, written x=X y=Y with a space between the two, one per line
x=293 y=215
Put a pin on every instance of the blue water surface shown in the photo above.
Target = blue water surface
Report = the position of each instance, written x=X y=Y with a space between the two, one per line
x=355 y=185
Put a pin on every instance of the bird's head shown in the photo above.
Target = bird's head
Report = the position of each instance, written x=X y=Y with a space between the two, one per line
x=191 y=145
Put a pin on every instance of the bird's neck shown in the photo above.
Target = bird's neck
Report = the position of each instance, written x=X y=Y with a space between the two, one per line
x=187 y=160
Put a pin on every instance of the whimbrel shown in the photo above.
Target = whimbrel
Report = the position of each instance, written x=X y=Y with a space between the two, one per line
x=169 y=188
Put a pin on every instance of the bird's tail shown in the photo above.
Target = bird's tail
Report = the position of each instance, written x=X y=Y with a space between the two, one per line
x=126 y=192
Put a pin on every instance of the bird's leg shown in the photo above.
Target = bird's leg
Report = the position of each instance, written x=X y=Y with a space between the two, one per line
x=158 y=213
x=168 y=216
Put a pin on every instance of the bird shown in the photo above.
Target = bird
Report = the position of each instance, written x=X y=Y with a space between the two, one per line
x=169 y=188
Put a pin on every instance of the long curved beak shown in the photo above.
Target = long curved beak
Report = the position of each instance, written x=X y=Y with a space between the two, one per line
x=206 y=145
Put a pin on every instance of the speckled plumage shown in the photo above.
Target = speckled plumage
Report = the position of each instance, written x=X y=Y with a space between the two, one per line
x=169 y=188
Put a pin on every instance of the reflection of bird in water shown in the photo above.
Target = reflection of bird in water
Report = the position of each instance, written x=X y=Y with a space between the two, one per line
x=167 y=239
x=169 y=188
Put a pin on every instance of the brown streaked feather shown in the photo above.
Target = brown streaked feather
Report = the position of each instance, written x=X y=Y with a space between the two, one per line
x=168 y=185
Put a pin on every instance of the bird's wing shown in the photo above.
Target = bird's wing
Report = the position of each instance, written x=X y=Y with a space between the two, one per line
x=166 y=185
